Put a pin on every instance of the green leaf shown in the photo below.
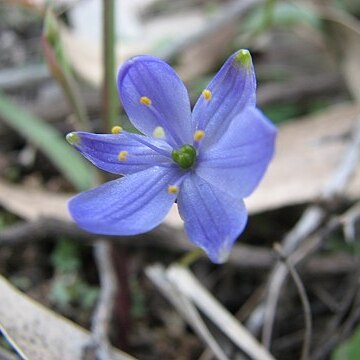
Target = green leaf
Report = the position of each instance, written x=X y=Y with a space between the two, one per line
x=51 y=142
x=284 y=14
x=349 y=350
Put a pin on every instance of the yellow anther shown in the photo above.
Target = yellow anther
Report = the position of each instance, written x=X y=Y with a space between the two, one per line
x=122 y=155
x=159 y=132
x=116 y=130
x=145 y=100
x=199 y=135
x=173 y=189
x=207 y=94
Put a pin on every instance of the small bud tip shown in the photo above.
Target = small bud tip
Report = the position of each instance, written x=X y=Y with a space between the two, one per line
x=73 y=138
x=243 y=58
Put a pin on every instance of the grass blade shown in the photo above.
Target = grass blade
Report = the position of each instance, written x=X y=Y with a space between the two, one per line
x=51 y=142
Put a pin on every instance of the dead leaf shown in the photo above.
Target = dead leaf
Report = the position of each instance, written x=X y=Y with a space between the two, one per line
x=86 y=58
x=308 y=152
x=200 y=39
x=32 y=204
x=85 y=53
x=40 y=333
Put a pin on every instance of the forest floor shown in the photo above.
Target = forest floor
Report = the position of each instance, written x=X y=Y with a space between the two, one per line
x=292 y=279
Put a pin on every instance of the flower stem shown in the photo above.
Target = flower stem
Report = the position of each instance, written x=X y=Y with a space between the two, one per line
x=60 y=68
x=109 y=100
x=191 y=257
x=268 y=14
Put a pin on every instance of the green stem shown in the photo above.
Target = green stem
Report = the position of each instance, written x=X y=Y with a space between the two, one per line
x=268 y=15
x=191 y=257
x=60 y=68
x=109 y=101
x=72 y=93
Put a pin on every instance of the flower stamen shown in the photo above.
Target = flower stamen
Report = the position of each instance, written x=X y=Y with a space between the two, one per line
x=122 y=155
x=116 y=130
x=173 y=189
x=207 y=94
x=145 y=101
x=144 y=141
x=199 y=135
x=171 y=135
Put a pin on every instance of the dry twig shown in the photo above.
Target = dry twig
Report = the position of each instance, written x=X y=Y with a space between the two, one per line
x=341 y=333
x=304 y=300
x=310 y=221
x=103 y=313
x=185 y=308
x=243 y=257
x=184 y=280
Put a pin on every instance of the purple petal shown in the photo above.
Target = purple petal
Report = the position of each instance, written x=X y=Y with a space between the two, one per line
x=239 y=160
x=131 y=205
x=103 y=151
x=232 y=90
x=166 y=101
x=213 y=219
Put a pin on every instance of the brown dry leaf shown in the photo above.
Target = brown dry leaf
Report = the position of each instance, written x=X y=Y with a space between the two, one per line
x=198 y=38
x=202 y=37
x=202 y=56
x=38 y=333
x=85 y=54
x=308 y=152
x=32 y=204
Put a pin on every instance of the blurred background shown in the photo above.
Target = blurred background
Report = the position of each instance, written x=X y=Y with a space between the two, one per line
x=307 y=61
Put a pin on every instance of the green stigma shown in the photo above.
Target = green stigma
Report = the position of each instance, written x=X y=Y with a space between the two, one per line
x=243 y=58
x=73 y=139
x=185 y=156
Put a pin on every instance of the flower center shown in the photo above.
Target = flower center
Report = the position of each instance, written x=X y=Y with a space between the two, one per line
x=185 y=156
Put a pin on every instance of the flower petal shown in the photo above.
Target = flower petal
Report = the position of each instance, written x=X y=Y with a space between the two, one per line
x=239 y=160
x=213 y=219
x=153 y=95
x=229 y=93
x=131 y=205
x=104 y=151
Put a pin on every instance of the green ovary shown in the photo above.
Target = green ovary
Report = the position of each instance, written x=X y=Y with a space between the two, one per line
x=185 y=156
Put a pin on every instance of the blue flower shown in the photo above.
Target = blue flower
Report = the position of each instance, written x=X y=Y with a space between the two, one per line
x=207 y=160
